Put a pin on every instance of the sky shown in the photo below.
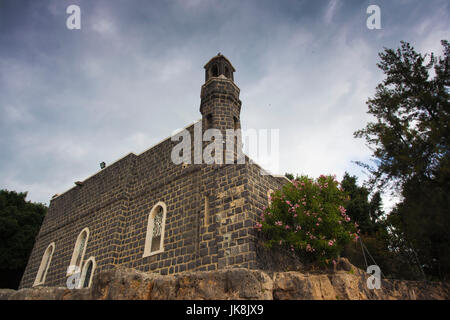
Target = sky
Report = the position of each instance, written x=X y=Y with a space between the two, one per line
x=131 y=76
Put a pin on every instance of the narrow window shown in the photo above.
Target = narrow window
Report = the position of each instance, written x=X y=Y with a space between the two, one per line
x=87 y=273
x=45 y=263
x=227 y=72
x=206 y=222
x=78 y=252
x=269 y=197
x=215 y=71
x=209 y=121
x=236 y=146
x=154 y=240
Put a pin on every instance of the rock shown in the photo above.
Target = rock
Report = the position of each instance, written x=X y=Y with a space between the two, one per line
x=6 y=293
x=223 y=284
x=345 y=282
x=344 y=264
x=298 y=286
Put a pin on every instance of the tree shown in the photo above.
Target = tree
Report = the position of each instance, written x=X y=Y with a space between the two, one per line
x=20 y=221
x=359 y=208
x=290 y=176
x=411 y=137
x=410 y=140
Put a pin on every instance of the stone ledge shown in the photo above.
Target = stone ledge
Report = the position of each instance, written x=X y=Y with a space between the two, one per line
x=236 y=284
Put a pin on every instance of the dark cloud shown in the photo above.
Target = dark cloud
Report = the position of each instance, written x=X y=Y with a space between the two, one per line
x=70 y=99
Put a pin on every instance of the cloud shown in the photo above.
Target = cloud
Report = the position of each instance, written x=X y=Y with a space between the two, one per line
x=72 y=99
x=331 y=10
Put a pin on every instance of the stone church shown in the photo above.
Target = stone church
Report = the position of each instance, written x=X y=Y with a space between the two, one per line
x=147 y=213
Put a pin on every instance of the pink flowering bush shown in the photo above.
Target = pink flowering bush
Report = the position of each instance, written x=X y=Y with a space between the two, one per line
x=307 y=216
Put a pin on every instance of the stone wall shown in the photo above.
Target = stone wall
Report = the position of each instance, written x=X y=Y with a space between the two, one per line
x=115 y=205
x=74 y=210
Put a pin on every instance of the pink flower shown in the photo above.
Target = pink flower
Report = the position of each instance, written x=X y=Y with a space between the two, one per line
x=279 y=223
x=295 y=215
x=287 y=227
x=330 y=243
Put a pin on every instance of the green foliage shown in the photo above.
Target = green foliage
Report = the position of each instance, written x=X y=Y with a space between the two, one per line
x=410 y=140
x=411 y=136
x=377 y=235
x=290 y=176
x=393 y=264
x=20 y=221
x=421 y=222
x=308 y=217
x=359 y=208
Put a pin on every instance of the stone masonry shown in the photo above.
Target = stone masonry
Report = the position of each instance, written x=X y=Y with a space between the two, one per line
x=211 y=208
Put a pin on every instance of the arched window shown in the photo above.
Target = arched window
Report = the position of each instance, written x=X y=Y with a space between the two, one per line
x=78 y=252
x=154 y=240
x=87 y=273
x=45 y=263
x=215 y=71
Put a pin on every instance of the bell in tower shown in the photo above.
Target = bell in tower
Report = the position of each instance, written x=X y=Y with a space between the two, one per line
x=217 y=66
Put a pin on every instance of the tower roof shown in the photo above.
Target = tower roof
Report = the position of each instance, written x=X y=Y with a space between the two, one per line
x=219 y=56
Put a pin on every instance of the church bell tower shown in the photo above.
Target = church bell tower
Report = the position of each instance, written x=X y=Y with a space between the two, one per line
x=220 y=105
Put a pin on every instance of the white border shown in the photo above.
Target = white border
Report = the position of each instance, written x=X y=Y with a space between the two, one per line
x=83 y=273
x=46 y=257
x=73 y=268
x=149 y=234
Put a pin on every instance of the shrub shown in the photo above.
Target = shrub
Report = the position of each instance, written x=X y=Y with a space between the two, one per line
x=307 y=216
